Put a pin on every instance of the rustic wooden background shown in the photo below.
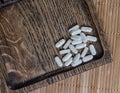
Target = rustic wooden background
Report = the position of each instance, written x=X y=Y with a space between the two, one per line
x=104 y=79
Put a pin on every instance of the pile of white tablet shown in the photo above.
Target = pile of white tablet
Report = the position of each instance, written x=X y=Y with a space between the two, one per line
x=75 y=50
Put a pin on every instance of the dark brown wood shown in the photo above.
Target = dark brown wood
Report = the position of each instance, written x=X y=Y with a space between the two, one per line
x=28 y=33
x=5 y=3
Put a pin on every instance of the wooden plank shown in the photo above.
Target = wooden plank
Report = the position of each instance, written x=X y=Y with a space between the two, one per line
x=31 y=51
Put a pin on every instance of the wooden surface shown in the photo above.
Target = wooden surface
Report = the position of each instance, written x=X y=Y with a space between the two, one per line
x=27 y=46
x=4 y=3
x=103 y=79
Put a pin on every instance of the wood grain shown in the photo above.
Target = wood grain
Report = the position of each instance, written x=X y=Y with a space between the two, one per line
x=105 y=79
x=5 y=3
x=17 y=42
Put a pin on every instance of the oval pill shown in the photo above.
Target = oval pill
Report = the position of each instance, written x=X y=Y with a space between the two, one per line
x=84 y=52
x=66 y=57
x=73 y=49
x=80 y=46
x=87 y=58
x=92 y=50
x=67 y=63
x=64 y=51
x=67 y=44
x=83 y=37
x=86 y=29
x=75 y=32
x=76 y=37
x=74 y=28
x=76 y=58
x=60 y=43
x=74 y=64
x=58 y=61
x=76 y=42
x=91 y=38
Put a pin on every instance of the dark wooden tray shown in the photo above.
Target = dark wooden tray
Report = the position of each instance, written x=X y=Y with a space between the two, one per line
x=28 y=33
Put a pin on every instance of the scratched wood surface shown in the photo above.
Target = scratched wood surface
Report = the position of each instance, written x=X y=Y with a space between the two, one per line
x=87 y=81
